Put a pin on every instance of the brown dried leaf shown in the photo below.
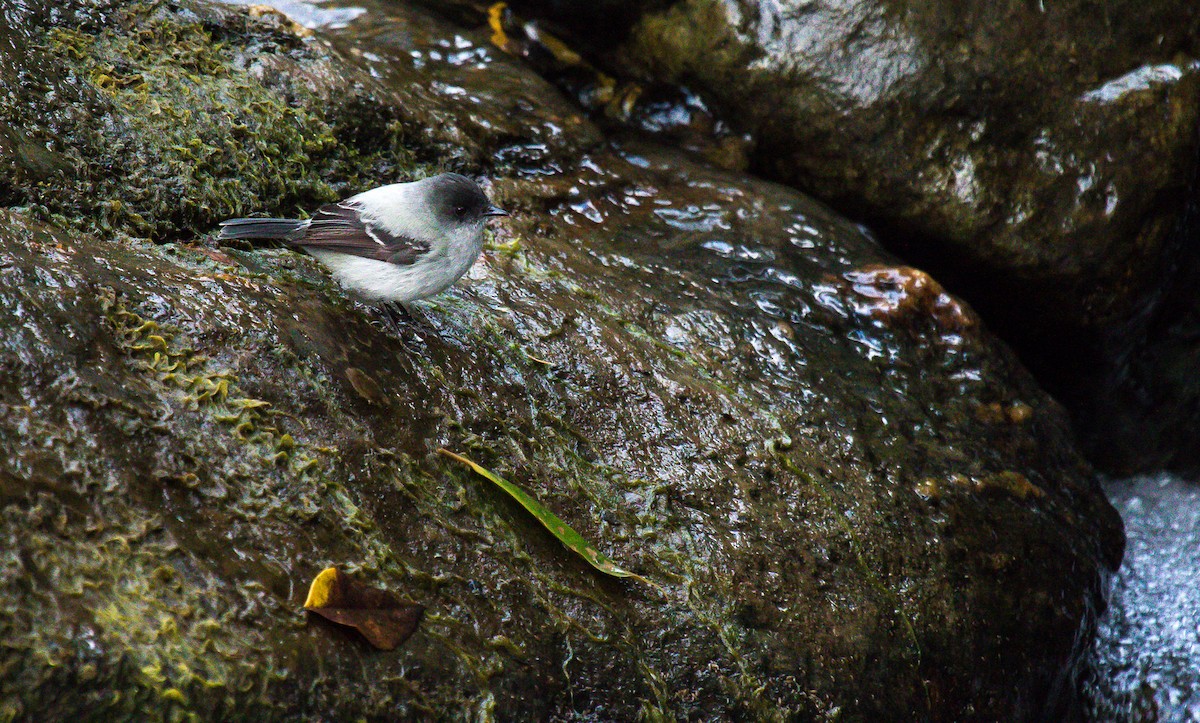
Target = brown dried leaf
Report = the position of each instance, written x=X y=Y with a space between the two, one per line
x=383 y=620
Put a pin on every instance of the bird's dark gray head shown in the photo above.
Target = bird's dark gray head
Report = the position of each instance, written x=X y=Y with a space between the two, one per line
x=457 y=199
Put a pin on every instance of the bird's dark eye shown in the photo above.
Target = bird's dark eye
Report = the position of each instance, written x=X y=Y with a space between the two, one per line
x=460 y=211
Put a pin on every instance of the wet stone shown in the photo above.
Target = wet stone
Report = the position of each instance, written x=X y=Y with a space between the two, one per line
x=469 y=99
x=724 y=385
x=1033 y=156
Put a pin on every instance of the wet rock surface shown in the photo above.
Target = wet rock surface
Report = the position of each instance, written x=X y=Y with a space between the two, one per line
x=854 y=498
x=113 y=134
x=1033 y=156
x=1148 y=417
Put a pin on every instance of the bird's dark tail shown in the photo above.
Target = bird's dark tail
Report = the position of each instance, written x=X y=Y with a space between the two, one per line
x=286 y=229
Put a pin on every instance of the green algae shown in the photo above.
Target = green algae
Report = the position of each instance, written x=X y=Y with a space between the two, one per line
x=159 y=351
x=141 y=591
x=178 y=136
x=900 y=604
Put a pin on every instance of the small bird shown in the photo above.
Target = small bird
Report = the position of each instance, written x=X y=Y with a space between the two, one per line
x=399 y=242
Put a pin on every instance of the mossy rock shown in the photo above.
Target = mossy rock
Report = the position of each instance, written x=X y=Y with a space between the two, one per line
x=853 y=498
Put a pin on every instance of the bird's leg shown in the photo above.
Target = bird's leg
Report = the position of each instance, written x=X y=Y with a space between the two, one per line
x=388 y=318
x=403 y=321
x=378 y=316
x=395 y=316
x=407 y=322
x=415 y=317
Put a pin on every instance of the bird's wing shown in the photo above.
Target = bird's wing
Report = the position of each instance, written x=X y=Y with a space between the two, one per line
x=340 y=227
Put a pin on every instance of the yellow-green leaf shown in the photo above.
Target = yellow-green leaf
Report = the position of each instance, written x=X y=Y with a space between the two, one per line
x=564 y=532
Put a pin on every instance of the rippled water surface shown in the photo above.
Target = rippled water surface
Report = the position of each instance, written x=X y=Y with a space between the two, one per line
x=1147 y=657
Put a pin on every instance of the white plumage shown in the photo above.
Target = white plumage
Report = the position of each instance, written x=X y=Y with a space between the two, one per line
x=428 y=275
x=400 y=242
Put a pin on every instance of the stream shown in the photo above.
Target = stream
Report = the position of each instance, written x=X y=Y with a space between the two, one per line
x=1147 y=651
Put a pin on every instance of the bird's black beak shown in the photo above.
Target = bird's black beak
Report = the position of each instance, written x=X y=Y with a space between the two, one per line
x=494 y=211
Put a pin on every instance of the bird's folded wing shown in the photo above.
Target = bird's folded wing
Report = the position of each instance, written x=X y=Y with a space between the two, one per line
x=341 y=228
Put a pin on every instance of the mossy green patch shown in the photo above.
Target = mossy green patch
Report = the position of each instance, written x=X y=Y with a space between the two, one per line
x=158 y=350
x=175 y=135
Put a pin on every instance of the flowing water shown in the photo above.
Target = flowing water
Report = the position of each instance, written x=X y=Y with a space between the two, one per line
x=1147 y=657
x=310 y=14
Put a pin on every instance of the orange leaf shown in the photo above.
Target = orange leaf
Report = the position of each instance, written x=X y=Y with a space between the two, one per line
x=383 y=620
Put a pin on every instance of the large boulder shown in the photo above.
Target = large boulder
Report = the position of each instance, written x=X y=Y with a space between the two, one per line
x=1147 y=416
x=854 y=501
x=1034 y=156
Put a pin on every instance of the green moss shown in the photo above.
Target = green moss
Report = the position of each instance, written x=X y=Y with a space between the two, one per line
x=158 y=351
x=178 y=136
x=168 y=633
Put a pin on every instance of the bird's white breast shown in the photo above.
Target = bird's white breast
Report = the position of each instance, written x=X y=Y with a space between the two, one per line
x=373 y=279
x=432 y=273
